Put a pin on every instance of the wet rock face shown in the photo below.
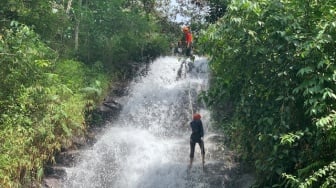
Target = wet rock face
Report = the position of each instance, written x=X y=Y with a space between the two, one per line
x=68 y=158
x=110 y=107
x=53 y=176
x=223 y=168
x=55 y=173
x=51 y=183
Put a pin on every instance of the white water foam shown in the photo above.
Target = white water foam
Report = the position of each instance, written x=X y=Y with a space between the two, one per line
x=148 y=146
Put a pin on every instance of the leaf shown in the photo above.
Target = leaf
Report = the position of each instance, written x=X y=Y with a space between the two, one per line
x=42 y=63
x=304 y=71
x=279 y=98
x=328 y=94
x=40 y=173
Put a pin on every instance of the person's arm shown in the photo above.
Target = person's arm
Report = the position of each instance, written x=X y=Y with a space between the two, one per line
x=201 y=129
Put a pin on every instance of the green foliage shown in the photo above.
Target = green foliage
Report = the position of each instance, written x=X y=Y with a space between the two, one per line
x=117 y=33
x=71 y=69
x=274 y=62
x=42 y=104
x=22 y=59
x=290 y=138
x=46 y=17
x=327 y=173
x=46 y=92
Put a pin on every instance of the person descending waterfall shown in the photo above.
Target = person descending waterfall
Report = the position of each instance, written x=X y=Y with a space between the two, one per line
x=196 y=137
x=188 y=42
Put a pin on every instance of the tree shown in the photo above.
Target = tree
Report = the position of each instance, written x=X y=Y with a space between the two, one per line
x=217 y=9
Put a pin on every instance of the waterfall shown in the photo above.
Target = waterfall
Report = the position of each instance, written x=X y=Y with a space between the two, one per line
x=148 y=145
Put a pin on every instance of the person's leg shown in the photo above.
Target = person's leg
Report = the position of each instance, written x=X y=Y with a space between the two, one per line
x=192 y=151
x=188 y=52
x=201 y=144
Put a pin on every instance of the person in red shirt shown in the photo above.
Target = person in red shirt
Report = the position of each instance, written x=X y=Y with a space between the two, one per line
x=187 y=39
x=186 y=45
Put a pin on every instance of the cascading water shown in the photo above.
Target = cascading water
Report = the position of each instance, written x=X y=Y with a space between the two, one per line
x=148 y=145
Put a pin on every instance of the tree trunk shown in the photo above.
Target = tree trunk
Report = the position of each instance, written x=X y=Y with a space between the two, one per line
x=68 y=7
x=77 y=26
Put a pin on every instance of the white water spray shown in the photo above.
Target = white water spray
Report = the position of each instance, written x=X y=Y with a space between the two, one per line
x=148 y=145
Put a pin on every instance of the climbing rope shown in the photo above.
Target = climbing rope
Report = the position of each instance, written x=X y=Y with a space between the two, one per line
x=190 y=101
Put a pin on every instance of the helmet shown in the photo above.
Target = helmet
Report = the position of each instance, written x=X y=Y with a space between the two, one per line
x=185 y=28
x=196 y=116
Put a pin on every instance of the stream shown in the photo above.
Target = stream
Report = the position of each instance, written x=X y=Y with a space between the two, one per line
x=147 y=146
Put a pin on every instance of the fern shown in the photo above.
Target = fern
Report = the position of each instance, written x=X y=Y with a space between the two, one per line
x=325 y=176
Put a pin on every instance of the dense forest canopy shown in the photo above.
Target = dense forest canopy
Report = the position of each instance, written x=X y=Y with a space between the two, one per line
x=272 y=87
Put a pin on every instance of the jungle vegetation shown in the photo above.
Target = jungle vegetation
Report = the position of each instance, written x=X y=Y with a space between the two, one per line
x=273 y=89
x=58 y=59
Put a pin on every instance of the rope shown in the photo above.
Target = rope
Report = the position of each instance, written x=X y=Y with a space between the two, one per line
x=184 y=61
x=190 y=101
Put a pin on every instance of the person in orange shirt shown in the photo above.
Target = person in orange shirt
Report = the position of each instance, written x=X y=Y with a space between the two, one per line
x=187 y=39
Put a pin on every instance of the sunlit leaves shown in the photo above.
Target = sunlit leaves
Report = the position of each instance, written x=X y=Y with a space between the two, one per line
x=290 y=138
x=236 y=20
x=41 y=104
x=328 y=122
